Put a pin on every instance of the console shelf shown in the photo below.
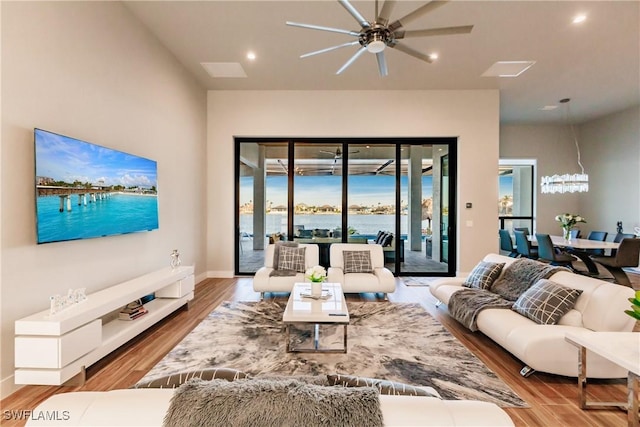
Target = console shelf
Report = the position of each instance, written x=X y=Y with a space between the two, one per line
x=52 y=349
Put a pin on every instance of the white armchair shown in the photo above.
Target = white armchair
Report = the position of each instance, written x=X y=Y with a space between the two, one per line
x=380 y=280
x=264 y=282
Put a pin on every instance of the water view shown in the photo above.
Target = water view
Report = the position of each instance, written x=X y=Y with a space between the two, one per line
x=118 y=214
x=363 y=224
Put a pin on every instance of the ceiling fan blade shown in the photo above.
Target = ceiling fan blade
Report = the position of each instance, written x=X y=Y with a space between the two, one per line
x=354 y=12
x=321 y=28
x=382 y=64
x=352 y=59
x=382 y=166
x=444 y=31
x=329 y=49
x=387 y=8
x=422 y=10
x=412 y=52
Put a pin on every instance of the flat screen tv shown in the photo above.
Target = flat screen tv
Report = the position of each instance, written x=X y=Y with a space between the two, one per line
x=85 y=191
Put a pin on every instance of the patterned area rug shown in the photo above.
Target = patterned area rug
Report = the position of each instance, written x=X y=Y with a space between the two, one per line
x=394 y=341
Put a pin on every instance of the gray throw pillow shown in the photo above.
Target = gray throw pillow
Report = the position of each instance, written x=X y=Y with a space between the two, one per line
x=483 y=275
x=520 y=275
x=276 y=251
x=384 y=386
x=292 y=259
x=546 y=302
x=179 y=378
x=261 y=402
x=357 y=261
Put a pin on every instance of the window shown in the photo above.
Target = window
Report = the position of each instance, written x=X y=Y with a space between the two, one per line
x=516 y=191
x=325 y=191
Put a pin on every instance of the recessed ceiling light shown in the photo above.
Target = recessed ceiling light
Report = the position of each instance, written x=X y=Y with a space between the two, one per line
x=579 y=18
x=548 y=108
x=508 y=68
x=251 y=56
x=433 y=56
x=224 y=69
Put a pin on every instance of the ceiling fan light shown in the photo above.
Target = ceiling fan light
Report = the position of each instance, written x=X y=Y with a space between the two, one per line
x=376 y=46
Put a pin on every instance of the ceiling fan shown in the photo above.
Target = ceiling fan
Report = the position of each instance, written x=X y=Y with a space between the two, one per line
x=338 y=153
x=375 y=36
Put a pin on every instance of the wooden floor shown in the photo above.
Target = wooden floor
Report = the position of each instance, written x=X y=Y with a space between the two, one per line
x=552 y=399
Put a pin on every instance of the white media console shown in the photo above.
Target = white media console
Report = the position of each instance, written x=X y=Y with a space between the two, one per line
x=53 y=349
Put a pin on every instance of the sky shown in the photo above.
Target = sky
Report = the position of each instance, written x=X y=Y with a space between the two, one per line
x=67 y=159
x=365 y=190
x=506 y=185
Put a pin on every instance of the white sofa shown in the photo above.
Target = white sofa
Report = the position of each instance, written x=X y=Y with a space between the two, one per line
x=147 y=407
x=381 y=280
x=263 y=282
x=543 y=348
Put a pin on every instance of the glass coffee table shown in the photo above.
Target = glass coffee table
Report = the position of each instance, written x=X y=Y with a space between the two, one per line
x=330 y=309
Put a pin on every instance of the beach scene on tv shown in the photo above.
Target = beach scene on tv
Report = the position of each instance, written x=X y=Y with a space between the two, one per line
x=85 y=190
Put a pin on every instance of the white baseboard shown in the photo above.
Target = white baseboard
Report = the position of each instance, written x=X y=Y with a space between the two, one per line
x=8 y=386
x=200 y=277
x=220 y=274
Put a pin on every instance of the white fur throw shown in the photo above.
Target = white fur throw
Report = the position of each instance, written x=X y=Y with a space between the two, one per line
x=271 y=402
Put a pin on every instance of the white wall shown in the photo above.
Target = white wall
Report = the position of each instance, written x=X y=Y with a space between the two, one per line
x=90 y=70
x=555 y=153
x=611 y=155
x=472 y=116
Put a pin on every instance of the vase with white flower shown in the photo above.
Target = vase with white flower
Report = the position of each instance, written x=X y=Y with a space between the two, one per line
x=568 y=222
x=316 y=276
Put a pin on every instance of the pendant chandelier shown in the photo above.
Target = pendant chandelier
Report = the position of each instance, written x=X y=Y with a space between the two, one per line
x=566 y=183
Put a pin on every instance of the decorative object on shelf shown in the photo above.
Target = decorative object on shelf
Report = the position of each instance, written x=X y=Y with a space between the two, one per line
x=568 y=221
x=567 y=183
x=635 y=306
x=619 y=227
x=637 y=231
x=175 y=259
x=63 y=302
x=132 y=311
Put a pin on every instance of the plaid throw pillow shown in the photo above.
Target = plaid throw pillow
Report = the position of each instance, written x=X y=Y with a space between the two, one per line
x=357 y=262
x=546 y=302
x=276 y=251
x=177 y=379
x=384 y=386
x=291 y=259
x=483 y=275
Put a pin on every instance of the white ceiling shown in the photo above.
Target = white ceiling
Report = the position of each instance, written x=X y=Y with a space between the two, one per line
x=596 y=63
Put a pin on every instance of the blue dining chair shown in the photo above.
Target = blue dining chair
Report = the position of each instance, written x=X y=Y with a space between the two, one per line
x=546 y=252
x=523 y=245
x=600 y=236
x=506 y=244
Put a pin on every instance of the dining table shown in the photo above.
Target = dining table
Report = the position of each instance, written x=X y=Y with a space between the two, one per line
x=579 y=248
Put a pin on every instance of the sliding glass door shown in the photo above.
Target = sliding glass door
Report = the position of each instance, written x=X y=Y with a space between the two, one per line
x=394 y=192
x=420 y=195
x=371 y=196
